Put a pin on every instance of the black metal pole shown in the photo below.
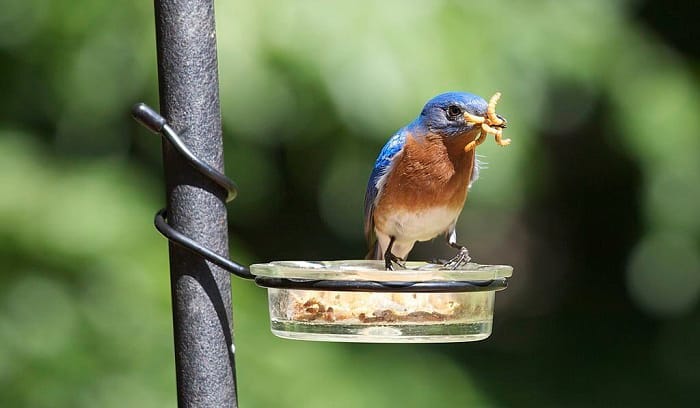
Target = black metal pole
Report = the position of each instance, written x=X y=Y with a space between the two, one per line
x=201 y=291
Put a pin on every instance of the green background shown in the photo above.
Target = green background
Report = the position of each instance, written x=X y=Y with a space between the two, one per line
x=595 y=203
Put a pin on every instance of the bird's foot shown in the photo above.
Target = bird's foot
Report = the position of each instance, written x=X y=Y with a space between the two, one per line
x=390 y=260
x=459 y=260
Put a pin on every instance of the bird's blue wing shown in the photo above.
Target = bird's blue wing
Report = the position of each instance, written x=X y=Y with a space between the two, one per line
x=381 y=166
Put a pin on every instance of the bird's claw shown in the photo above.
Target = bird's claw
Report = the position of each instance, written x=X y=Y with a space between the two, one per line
x=491 y=124
x=460 y=259
x=392 y=259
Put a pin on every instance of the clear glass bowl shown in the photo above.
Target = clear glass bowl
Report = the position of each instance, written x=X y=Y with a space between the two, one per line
x=380 y=317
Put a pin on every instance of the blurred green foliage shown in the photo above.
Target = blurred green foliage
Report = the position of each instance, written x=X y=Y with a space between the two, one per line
x=595 y=202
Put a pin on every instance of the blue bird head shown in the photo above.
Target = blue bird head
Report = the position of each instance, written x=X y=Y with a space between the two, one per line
x=444 y=114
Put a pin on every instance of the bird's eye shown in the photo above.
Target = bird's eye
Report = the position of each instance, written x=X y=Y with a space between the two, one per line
x=454 y=110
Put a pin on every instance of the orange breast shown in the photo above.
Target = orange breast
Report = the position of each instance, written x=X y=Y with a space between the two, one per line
x=430 y=172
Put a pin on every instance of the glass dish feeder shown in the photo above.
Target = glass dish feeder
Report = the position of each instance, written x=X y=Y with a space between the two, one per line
x=363 y=302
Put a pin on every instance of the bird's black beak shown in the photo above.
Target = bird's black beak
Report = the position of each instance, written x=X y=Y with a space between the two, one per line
x=505 y=122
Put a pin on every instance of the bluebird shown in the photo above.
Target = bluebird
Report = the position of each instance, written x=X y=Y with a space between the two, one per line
x=421 y=177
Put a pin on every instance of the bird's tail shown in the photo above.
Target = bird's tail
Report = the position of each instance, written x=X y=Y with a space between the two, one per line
x=374 y=251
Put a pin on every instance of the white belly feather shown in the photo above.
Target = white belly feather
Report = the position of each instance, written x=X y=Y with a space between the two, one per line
x=411 y=226
x=421 y=225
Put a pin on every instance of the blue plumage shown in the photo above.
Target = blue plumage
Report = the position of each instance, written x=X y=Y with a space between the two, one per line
x=381 y=166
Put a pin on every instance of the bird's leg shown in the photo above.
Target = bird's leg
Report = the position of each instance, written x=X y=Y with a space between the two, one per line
x=462 y=257
x=391 y=259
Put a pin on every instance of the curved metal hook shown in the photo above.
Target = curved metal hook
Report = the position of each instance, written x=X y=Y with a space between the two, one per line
x=154 y=122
